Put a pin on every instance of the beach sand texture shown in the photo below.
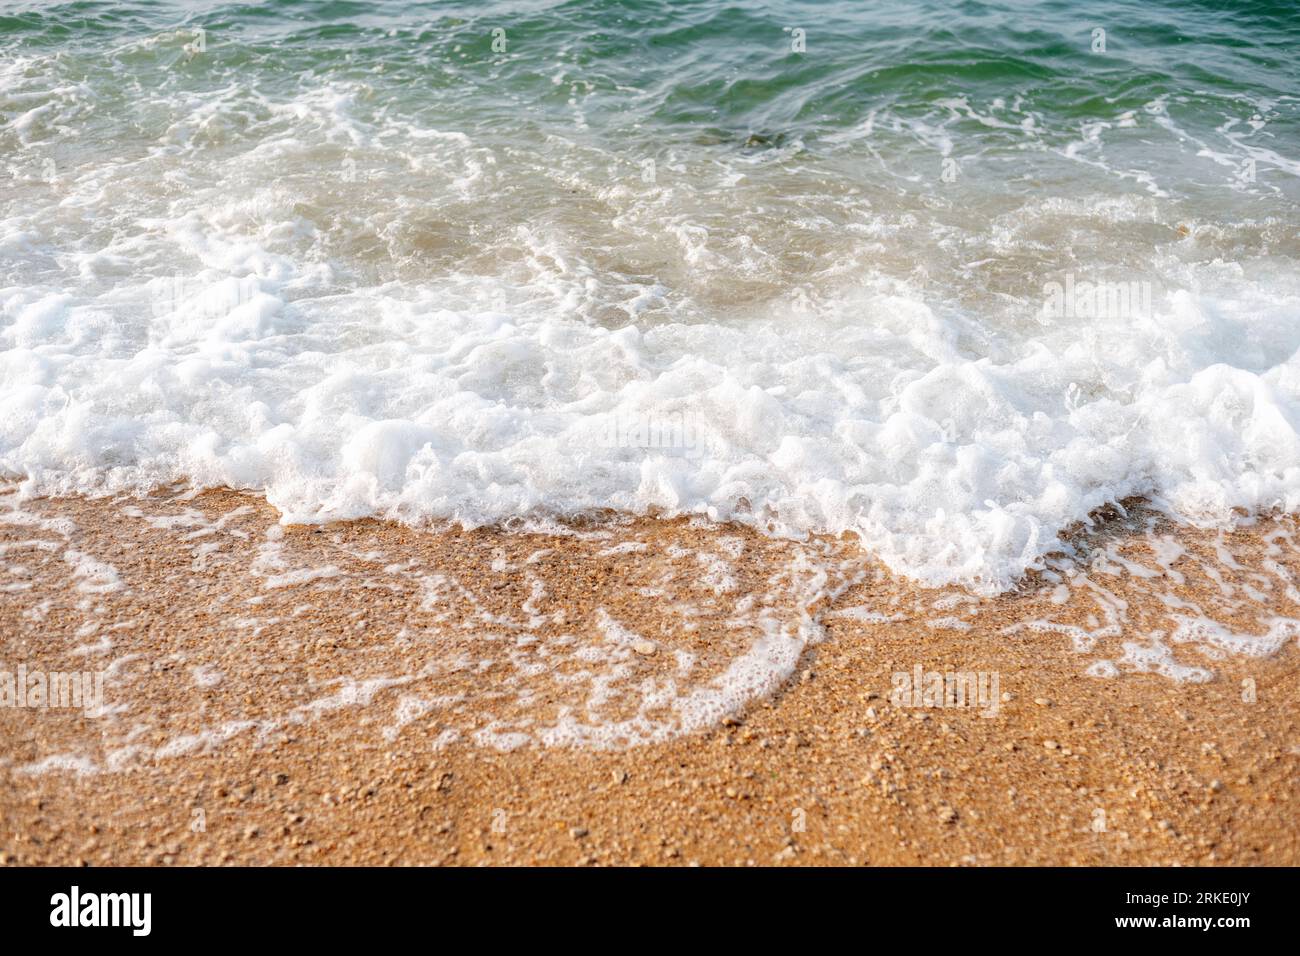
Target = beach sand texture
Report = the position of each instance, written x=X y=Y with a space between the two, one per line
x=636 y=691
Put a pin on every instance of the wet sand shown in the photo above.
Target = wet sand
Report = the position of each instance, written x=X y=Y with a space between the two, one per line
x=635 y=692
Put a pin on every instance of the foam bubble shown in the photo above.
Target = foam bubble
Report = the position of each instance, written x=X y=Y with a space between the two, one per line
x=362 y=306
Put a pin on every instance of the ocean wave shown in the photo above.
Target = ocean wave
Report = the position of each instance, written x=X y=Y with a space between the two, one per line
x=949 y=310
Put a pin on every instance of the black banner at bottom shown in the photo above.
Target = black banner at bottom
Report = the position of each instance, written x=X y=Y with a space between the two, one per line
x=337 y=906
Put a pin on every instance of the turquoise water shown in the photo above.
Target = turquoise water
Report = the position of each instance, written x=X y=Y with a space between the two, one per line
x=1013 y=96
x=458 y=261
x=659 y=73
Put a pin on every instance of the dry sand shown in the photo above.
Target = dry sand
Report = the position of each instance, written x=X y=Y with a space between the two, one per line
x=368 y=693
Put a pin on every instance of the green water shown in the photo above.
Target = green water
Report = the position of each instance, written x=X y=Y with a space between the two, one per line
x=418 y=258
x=660 y=73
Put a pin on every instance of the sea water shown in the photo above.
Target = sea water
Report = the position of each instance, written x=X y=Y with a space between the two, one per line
x=947 y=277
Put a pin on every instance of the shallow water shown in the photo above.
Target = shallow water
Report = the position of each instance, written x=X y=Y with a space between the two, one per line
x=207 y=623
x=817 y=267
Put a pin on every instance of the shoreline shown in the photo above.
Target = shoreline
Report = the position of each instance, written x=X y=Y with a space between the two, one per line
x=637 y=691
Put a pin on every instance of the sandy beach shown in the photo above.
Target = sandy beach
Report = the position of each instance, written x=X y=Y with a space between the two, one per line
x=647 y=433
x=636 y=691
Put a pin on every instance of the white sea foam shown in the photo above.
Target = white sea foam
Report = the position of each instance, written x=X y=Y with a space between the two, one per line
x=951 y=466
x=407 y=336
